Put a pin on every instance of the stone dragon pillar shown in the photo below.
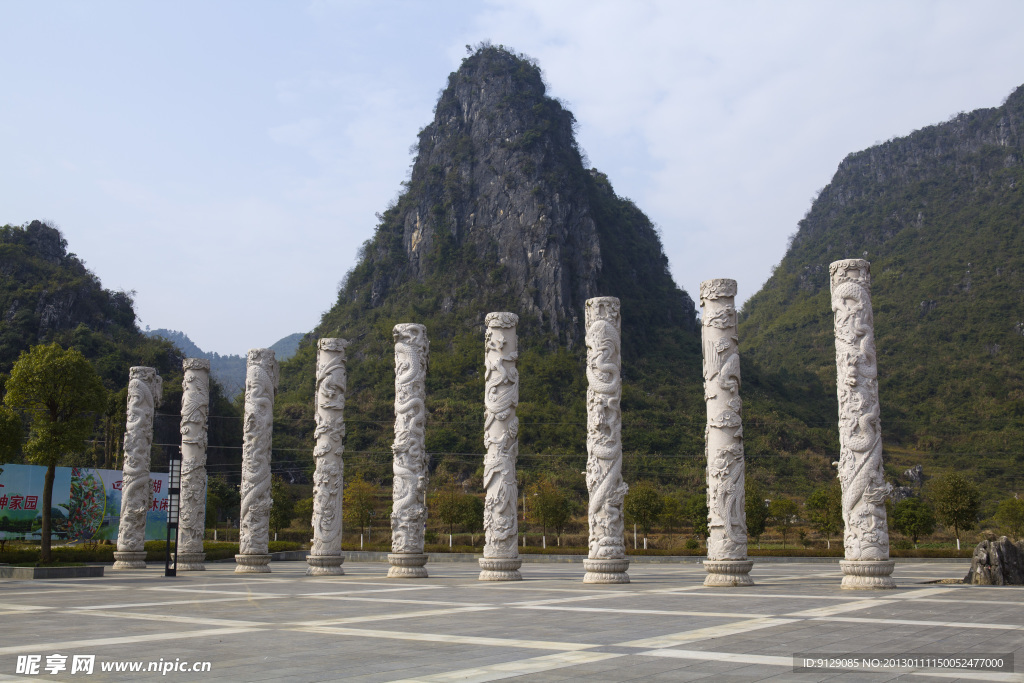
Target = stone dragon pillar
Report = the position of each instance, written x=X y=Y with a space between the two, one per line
x=258 y=429
x=501 y=438
x=606 y=561
x=145 y=389
x=410 y=457
x=195 y=408
x=727 y=563
x=866 y=536
x=325 y=556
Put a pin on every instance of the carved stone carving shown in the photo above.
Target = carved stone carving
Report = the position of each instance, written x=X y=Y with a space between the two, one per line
x=145 y=389
x=727 y=563
x=860 y=429
x=325 y=558
x=606 y=561
x=195 y=407
x=261 y=376
x=501 y=438
x=410 y=457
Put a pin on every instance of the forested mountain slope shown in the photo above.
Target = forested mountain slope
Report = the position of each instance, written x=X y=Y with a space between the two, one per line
x=48 y=295
x=499 y=213
x=940 y=216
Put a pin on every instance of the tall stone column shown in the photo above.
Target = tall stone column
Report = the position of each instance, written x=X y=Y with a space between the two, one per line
x=145 y=389
x=866 y=535
x=501 y=438
x=727 y=563
x=325 y=556
x=258 y=430
x=195 y=407
x=606 y=561
x=410 y=457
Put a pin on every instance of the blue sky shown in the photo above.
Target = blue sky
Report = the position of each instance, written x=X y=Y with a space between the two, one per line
x=225 y=159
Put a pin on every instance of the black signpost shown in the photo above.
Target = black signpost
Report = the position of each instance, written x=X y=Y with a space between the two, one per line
x=173 y=496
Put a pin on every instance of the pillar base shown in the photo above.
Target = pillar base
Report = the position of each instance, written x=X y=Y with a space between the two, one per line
x=129 y=559
x=868 y=575
x=500 y=569
x=407 y=565
x=606 y=570
x=324 y=565
x=190 y=562
x=252 y=564
x=728 y=573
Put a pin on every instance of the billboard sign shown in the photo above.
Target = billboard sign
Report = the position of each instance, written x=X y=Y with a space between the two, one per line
x=86 y=503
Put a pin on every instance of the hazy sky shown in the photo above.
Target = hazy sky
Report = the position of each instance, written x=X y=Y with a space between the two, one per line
x=225 y=159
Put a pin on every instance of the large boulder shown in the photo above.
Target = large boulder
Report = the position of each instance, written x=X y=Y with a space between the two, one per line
x=997 y=563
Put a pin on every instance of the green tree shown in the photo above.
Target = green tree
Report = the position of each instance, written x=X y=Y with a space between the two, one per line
x=696 y=512
x=1010 y=514
x=359 y=503
x=825 y=510
x=304 y=512
x=643 y=506
x=221 y=497
x=756 y=510
x=472 y=518
x=59 y=392
x=282 y=508
x=957 y=501
x=782 y=513
x=551 y=507
x=672 y=513
x=913 y=517
x=447 y=504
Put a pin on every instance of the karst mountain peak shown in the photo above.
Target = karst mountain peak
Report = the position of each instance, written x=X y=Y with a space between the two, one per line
x=499 y=212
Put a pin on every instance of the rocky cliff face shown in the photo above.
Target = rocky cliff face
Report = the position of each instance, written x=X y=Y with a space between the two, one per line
x=940 y=216
x=499 y=202
x=47 y=291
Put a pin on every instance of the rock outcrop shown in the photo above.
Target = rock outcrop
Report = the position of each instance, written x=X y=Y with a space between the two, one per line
x=997 y=563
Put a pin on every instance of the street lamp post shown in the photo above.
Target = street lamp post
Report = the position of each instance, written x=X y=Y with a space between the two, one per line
x=173 y=498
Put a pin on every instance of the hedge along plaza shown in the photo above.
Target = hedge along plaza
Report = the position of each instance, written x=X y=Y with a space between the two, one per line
x=867 y=545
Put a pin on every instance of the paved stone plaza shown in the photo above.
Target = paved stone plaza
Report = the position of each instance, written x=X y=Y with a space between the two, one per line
x=664 y=626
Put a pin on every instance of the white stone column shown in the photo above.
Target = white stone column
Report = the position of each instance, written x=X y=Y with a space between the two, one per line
x=145 y=389
x=411 y=463
x=195 y=407
x=606 y=561
x=866 y=535
x=501 y=438
x=258 y=430
x=325 y=556
x=727 y=563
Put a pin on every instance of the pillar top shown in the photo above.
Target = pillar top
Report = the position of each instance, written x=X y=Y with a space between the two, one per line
x=502 y=319
x=717 y=288
x=332 y=344
x=850 y=270
x=195 y=364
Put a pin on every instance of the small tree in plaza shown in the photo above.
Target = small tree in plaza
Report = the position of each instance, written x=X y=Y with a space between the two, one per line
x=957 y=501
x=359 y=503
x=1010 y=514
x=472 y=517
x=60 y=393
x=696 y=512
x=913 y=517
x=643 y=506
x=282 y=510
x=756 y=510
x=551 y=507
x=672 y=513
x=825 y=510
x=446 y=504
x=782 y=513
